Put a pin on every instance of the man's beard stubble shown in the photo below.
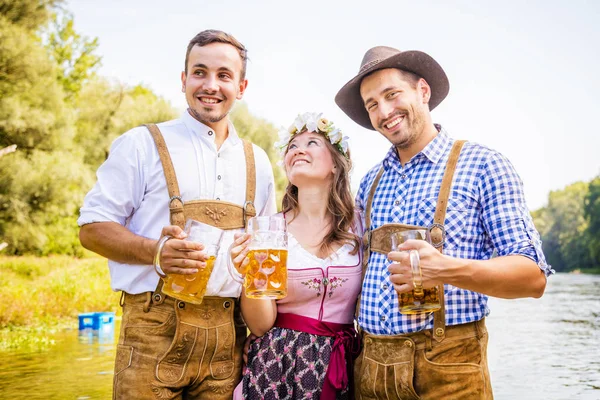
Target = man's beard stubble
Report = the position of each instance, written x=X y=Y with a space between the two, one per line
x=202 y=119
x=415 y=129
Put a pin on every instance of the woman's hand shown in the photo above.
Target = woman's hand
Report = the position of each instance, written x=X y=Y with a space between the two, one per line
x=239 y=252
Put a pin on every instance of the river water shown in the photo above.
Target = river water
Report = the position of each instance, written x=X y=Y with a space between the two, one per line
x=546 y=348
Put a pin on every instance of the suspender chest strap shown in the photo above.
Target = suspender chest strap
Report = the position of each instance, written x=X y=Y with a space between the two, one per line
x=222 y=214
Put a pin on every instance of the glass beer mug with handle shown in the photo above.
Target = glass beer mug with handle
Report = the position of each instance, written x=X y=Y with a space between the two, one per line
x=266 y=273
x=418 y=300
x=191 y=288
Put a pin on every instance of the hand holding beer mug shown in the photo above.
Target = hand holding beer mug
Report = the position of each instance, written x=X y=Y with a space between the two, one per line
x=191 y=288
x=263 y=272
x=418 y=300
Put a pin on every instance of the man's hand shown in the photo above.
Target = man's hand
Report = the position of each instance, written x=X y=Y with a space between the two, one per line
x=179 y=256
x=431 y=262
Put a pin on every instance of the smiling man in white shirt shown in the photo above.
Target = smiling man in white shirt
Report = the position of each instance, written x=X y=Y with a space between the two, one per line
x=156 y=177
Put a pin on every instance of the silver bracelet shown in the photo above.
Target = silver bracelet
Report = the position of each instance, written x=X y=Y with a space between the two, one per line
x=159 y=247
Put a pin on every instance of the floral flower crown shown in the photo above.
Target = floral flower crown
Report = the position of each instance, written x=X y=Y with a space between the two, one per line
x=313 y=122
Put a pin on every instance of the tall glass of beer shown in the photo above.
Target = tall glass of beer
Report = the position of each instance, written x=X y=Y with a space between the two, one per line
x=266 y=272
x=418 y=300
x=191 y=288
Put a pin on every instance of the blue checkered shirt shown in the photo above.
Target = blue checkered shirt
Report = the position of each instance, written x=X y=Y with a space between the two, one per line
x=486 y=212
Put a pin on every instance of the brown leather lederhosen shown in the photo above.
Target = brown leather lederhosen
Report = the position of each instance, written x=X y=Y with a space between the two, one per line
x=196 y=348
x=379 y=239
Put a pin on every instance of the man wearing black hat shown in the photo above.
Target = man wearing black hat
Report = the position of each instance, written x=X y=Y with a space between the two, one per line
x=470 y=199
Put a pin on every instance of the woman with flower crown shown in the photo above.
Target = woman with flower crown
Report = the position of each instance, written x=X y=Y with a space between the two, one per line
x=306 y=341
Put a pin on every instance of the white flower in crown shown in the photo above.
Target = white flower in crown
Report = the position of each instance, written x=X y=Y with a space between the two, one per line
x=312 y=122
x=284 y=138
x=335 y=136
x=344 y=144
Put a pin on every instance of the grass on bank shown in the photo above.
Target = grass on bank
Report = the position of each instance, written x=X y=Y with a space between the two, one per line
x=41 y=295
x=594 y=271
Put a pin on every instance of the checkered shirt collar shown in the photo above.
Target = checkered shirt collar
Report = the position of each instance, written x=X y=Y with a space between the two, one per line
x=433 y=151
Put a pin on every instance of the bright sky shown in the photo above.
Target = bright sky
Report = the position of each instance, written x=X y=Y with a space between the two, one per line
x=523 y=74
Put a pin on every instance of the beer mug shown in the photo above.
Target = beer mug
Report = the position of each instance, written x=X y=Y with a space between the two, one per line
x=191 y=288
x=266 y=273
x=418 y=300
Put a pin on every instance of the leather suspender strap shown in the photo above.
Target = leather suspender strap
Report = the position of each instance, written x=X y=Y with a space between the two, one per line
x=368 y=213
x=249 y=207
x=367 y=234
x=176 y=206
x=175 y=200
x=438 y=233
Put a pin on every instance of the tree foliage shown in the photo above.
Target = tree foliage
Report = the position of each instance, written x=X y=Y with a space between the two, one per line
x=264 y=135
x=107 y=109
x=32 y=110
x=39 y=197
x=592 y=215
x=62 y=118
x=72 y=53
x=28 y=14
x=568 y=226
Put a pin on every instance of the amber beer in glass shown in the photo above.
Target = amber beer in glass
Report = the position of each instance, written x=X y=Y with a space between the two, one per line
x=419 y=300
x=266 y=273
x=191 y=288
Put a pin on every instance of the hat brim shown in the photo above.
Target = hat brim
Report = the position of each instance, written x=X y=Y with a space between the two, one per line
x=417 y=62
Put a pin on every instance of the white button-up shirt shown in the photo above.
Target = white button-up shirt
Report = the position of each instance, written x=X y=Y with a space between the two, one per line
x=131 y=190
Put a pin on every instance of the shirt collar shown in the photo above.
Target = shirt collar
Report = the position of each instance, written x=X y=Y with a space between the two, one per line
x=205 y=132
x=433 y=151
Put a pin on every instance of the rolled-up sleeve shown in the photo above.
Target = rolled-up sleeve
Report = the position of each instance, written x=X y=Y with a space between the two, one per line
x=119 y=189
x=505 y=214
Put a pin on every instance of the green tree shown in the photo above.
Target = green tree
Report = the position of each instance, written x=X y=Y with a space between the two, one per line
x=562 y=225
x=4 y=151
x=264 y=135
x=72 y=53
x=39 y=184
x=29 y=14
x=32 y=109
x=39 y=199
x=107 y=109
x=592 y=214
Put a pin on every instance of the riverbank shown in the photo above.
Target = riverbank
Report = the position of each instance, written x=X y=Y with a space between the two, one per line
x=589 y=271
x=42 y=295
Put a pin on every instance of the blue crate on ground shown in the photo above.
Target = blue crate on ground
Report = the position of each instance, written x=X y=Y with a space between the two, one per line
x=103 y=322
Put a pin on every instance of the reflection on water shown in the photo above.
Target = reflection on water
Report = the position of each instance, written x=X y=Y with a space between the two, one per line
x=546 y=348
x=77 y=367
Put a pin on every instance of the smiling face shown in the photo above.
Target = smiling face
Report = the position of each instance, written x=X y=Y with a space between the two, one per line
x=213 y=82
x=309 y=159
x=397 y=104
